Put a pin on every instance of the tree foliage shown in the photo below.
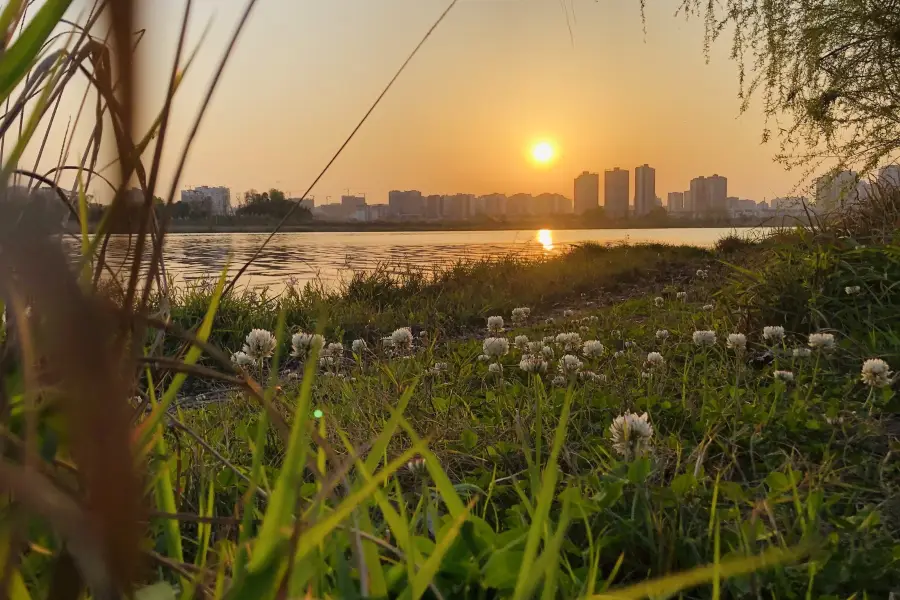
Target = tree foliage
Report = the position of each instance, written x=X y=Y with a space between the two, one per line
x=272 y=204
x=827 y=71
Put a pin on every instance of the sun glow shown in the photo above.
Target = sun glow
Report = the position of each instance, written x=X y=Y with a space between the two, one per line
x=545 y=238
x=543 y=152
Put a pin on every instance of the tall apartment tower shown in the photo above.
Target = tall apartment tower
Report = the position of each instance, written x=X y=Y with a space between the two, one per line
x=644 y=189
x=615 y=193
x=587 y=192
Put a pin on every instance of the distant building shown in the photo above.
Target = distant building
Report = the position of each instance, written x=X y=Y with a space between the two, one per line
x=307 y=203
x=406 y=204
x=353 y=203
x=492 y=205
x=835 y=190
x=644 y=189
x=520 y=205
x=587 y=192
x=219 y=198
x=675 y=202
x=709 y=195
x=688 y=202
x=718 y=193
x=433 y=206
x=457 y=207
x=615 y=193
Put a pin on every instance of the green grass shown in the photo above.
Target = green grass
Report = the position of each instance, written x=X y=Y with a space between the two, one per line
x=524 y=490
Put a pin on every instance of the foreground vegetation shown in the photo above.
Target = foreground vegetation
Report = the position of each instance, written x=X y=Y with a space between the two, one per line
x=674 y=413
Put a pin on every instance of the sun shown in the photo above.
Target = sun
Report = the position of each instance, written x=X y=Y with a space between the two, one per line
x=543 y=152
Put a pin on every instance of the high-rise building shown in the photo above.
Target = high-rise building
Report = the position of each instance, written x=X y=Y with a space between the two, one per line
x=615 y=193
x=353 y=203
x=709 y=194
x=406 y=204
x=587 y=192
x=700 y=203
x=676 y=201
x=219 y=198
x=718 y=193
x=835 y=190
x=493 y=205
x=457 y=207
x=433 y=206
x=688 y=201
x=644 y=189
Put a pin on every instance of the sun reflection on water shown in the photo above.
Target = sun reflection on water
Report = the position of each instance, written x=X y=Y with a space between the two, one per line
x=545 y=237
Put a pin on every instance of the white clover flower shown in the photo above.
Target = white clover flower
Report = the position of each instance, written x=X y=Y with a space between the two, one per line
x=533 y=364
x=495 y=347
x=534 y=347
x=358 y=346
x=303 y=343
x=591 y=376
x=569 y=364
x=417 y=466
x=584 y=329
x=521 y=342
x=402 y=338
x=785 y=376
x=387 y=341
x=549 y=339
x=260 y=343
x=852 y=290
x=334 y=349
x=659 y=301
x=495 y=324
x=708 y=307
x=495 y=368
x=681 y=296
x=662 y=334
x=646 y=374
x=702 y=273
x=328 y=361
x=618 y=354
x=821 y=341
x=423 y=334
x=591 y=319
x=593 y=349
x=737 y=341
x=549 y=320
x=241 y=359
x=569 y=341
x=704 y=338
x=483 y=358
x=617 y=333
x=568 y=313
x=558 y=381
x=520 y=315
x=773 y=333
x=438 y=368
x=655 y=360
x=631 y=435
x=547 y=351
x=802 y=352
x=630 y=344
x=876 y=373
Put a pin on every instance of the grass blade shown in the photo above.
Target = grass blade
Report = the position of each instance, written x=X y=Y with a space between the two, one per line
x=545 y=499
x=20 y=57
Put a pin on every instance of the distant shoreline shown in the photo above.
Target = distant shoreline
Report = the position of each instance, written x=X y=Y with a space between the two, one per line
x=340 y=227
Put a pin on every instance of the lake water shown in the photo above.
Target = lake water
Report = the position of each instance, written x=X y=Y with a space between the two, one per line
x=331 y=256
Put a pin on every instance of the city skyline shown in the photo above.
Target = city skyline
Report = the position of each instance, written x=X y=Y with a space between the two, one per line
x=495 y=79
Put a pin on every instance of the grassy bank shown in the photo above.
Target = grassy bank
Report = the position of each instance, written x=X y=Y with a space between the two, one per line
x=753 y=445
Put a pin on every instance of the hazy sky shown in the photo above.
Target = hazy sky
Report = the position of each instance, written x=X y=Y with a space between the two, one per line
x=494 y=78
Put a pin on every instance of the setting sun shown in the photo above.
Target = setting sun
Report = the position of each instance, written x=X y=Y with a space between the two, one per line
x=543 y=152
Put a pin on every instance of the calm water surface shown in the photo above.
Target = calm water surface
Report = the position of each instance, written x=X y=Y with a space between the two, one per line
x=332 y=256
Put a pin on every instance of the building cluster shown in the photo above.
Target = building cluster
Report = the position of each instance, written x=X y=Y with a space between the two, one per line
x=413 y=205
x=845 y=188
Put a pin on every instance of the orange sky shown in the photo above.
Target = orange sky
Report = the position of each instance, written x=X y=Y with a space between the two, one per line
x=497 y=76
